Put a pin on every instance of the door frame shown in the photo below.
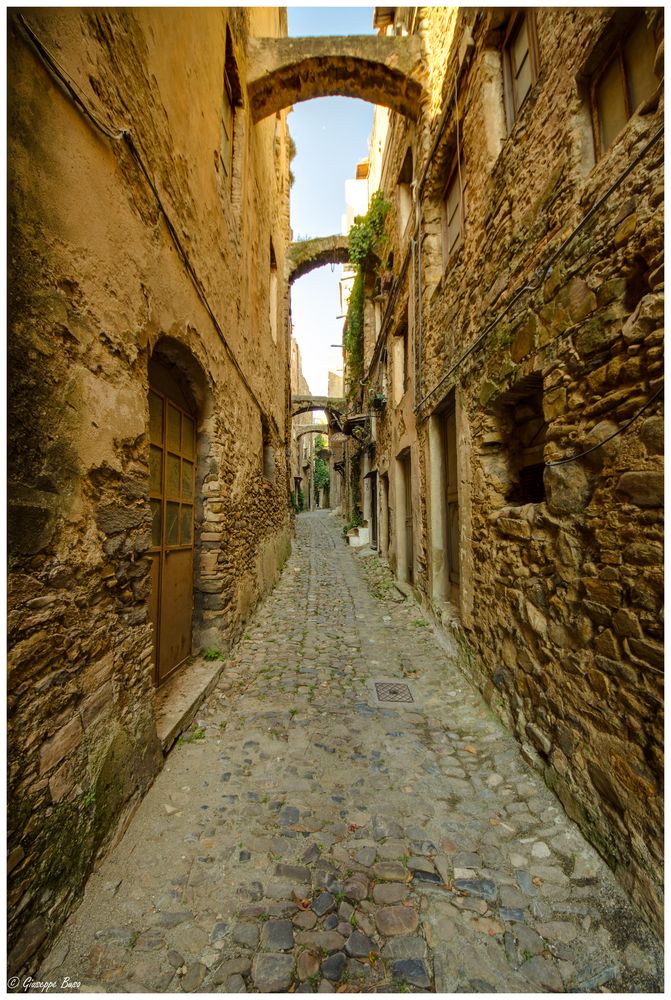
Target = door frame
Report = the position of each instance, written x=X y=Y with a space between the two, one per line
x=167 y=385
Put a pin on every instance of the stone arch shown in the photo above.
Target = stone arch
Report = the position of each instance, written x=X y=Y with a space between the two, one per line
x=381 y=70
x=175 y=354
x=307 y=255
x=306 y=404
x=302 y=429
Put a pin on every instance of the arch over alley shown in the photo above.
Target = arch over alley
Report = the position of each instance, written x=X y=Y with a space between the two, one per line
x=302 y=429
x=307 y=255
x=306 y=404
x=384 y=71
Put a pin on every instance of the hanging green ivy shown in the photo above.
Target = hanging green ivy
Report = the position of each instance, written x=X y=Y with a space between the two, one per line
x=355 y=490
x=367 y=245
x=321 y=474
x=353 y=338
x=367 y=238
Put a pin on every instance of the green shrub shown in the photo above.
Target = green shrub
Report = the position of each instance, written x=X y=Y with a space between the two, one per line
x=367 y=238
x=212 y=654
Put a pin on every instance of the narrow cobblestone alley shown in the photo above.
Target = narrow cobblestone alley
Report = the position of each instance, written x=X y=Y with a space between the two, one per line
x=305 y=836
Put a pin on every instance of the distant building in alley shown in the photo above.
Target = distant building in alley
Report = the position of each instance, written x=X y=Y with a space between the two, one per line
x=302 y=440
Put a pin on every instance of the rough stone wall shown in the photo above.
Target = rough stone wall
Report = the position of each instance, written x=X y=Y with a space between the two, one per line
x=560 y=599
x=96 y=283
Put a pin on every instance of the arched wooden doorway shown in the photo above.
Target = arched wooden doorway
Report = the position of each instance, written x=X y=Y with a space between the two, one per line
x=172 y=463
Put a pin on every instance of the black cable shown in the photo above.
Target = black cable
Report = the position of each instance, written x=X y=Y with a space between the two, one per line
x=187 y=264
x=126 y=135
x=607 y=193
x=620 y=430
x=69 y=85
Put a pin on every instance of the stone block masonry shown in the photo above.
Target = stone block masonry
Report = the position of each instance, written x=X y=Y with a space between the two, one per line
x=154 y=243
x=314 y=839
x=540 y=306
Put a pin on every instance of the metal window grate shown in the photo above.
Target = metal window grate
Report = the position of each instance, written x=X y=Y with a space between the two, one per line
x=393 y=691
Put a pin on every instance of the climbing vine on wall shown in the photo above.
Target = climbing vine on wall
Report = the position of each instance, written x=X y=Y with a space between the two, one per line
x=353 y=338
x=367 y=244
x=367 y=238
x=355 y=490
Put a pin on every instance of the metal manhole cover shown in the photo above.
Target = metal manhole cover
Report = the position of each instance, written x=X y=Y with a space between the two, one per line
x=392 y=691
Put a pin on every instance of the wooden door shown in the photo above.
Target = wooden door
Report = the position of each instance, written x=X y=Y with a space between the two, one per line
x=451 y=495
x=373 y=510
x=386 y=519
x=172 y=432
x=409 y=547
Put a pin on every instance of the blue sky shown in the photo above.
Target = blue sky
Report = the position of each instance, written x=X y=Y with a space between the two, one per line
x=331 y=135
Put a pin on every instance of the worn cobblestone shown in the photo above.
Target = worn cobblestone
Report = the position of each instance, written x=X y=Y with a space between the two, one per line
x=327 y=790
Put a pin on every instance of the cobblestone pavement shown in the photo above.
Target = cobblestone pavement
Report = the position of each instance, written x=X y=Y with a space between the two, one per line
x=305 y=836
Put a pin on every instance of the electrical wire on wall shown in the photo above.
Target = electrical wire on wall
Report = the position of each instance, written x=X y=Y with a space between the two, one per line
x=124 y=134
x=539 y=276
x=620 y=430
x=541 y=273
x=419 y=187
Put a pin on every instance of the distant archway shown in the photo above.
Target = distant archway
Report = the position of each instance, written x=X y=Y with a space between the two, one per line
x=307 y=404
x=302 y=429
x=307 y=255
x=381 y=70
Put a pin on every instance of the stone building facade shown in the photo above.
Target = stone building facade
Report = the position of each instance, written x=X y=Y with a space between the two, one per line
x=302 y=439
x=337 y=444
x=514 y=326
x=148 y=394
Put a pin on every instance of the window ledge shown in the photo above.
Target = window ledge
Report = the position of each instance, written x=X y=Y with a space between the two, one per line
x=621 y=148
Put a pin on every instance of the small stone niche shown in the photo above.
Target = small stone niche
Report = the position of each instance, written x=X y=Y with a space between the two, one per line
x=523 y=428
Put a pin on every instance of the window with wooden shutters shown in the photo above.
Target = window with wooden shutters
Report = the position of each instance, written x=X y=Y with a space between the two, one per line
x=624 y=81
x=453 y=212
x=520 y=63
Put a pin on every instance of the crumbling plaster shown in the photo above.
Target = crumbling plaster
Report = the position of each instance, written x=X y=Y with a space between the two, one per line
x=96 y=284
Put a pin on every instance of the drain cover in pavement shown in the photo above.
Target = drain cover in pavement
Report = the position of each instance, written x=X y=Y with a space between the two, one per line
x=390 y=691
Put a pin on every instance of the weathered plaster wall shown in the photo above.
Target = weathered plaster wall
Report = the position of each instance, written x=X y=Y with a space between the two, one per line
x=560 y=600
x=95 y=285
